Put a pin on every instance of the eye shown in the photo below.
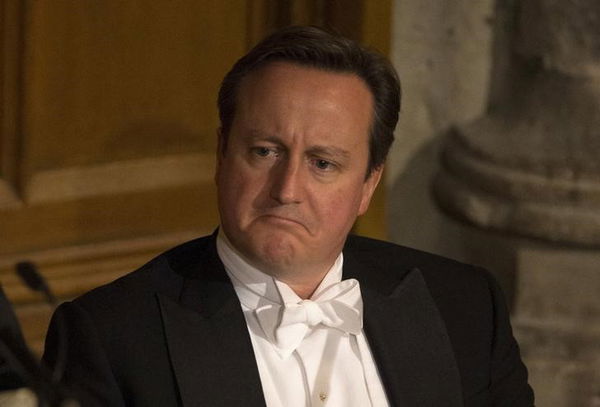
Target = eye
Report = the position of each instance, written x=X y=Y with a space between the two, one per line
x=263 y=151
x=323 y=165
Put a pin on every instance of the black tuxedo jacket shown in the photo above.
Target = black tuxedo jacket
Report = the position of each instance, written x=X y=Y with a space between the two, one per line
x=12 y=346
x=172 y=333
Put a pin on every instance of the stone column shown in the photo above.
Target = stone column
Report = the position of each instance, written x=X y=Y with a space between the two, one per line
x=530 y=168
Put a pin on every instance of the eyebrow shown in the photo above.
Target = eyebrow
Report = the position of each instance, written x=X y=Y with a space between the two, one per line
x=257 y=136
x=330 y=151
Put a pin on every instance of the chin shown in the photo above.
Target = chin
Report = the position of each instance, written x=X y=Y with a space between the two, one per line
x=274 y=250
x=278 y=253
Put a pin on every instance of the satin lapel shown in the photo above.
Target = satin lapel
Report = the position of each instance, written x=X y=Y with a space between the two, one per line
x=209 y=345
x=409 y=341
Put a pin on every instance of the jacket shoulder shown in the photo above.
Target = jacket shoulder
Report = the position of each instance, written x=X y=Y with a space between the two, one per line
x=164 y=273
x=461 y=292
x=441 y=273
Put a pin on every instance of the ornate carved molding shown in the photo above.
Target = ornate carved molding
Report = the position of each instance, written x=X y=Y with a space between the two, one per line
x=120 y=177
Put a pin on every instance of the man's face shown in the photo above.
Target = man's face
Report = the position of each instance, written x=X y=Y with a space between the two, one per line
x=291 y=180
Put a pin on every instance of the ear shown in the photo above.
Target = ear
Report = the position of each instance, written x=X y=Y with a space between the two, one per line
x=369 y=188
x=221 y=143
x=219 y=154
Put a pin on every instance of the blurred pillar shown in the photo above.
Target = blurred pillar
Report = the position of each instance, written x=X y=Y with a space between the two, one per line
x=530 y=167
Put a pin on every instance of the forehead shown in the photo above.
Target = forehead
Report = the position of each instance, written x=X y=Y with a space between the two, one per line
x=289 y=76
x=286 y=97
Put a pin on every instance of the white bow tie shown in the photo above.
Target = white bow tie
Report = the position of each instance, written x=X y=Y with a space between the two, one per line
x=339 y=307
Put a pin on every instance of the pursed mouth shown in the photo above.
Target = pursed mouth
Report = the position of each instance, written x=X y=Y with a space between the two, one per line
x=285 y=219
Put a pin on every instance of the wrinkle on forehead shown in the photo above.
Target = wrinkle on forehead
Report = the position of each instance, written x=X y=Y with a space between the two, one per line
x=316 y=97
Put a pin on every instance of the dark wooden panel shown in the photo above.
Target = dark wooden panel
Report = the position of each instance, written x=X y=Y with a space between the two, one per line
x=119 y=80
x=10 y=88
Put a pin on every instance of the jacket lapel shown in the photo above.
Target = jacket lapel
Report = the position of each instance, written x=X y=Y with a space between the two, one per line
x=208 y=341
x=408 y=338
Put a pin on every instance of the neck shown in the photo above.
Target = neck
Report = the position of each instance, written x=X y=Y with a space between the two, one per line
x=302 y=279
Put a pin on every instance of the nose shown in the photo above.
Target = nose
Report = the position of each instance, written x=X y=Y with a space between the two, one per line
x=287 y=182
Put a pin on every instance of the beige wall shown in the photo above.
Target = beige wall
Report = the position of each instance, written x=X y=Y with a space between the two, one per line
x=442 y=50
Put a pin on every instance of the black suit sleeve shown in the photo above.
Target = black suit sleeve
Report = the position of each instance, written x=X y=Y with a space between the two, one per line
x=9 y=331
x=87 y=370
x=509 y=385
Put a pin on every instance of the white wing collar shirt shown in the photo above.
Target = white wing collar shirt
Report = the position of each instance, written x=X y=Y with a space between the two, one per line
x=309 y=352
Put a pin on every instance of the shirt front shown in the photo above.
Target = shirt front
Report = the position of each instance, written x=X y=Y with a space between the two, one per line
x=328 y=368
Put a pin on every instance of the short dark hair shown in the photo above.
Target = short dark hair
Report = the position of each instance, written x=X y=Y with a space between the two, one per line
x=315 y=47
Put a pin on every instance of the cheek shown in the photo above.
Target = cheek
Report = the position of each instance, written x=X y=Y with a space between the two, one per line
x=230 y=184
x=232 y=178
x=342 y=209
x=239 y=192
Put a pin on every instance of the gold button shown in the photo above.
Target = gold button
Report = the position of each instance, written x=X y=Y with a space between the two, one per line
x=323 y=396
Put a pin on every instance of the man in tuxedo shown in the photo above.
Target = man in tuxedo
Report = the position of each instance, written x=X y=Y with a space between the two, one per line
x=280 y=307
